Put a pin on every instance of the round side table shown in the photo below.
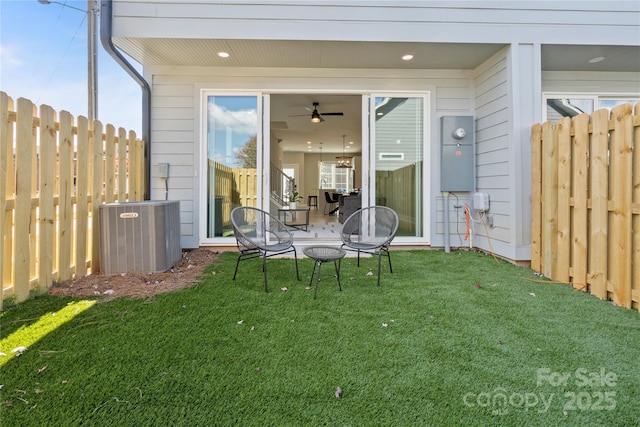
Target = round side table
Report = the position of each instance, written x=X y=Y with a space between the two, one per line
x=322 y=254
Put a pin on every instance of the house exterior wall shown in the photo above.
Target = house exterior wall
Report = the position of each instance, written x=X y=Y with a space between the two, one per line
x=503 y=93
x=176 y=123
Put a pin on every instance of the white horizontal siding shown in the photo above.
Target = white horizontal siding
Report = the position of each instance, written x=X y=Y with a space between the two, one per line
x=593 y=83
x=454 y=21
x=492 y=143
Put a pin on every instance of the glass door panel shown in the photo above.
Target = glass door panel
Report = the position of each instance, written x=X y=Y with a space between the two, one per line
x=398 y=159
x=232 y=134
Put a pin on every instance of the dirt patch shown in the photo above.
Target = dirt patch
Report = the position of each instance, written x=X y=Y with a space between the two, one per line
x=140 y=285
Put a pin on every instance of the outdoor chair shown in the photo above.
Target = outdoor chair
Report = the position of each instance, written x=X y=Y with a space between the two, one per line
x=331 y=203
x=370 y=230
x=260 y=234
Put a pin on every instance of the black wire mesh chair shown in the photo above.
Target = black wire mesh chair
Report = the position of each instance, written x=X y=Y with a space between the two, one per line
x=370 y=230
x=330 y=202
x=260 y=234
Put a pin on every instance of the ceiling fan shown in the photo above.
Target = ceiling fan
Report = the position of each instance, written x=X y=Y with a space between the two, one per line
x=316 y=117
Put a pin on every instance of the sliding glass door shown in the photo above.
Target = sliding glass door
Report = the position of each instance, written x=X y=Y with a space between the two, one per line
x=397 y=156
x=231 y=159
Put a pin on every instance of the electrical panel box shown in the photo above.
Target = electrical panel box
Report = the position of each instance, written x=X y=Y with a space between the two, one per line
x=163 y=170
x=141 y=237
x=481 y=202
x=457 y=164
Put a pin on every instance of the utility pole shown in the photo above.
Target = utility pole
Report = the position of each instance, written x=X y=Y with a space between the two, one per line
x=92 y=60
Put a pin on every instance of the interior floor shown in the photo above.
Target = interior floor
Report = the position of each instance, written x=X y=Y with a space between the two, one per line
x=322 y=229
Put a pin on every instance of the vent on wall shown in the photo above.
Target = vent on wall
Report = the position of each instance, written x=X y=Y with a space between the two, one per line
x=391 y=156
x=141 y=237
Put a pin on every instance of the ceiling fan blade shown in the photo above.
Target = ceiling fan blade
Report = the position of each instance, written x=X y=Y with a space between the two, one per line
x=332 y=114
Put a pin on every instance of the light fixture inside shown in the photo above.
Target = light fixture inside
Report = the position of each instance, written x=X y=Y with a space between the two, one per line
x=407 y=57
x=223 y=54
x=315 y=116
x=596 y=60
x=344 y=161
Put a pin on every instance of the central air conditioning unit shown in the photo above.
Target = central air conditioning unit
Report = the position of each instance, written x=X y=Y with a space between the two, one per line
x=141 y=237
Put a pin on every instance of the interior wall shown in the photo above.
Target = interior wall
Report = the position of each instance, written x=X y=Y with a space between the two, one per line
x=297 y=158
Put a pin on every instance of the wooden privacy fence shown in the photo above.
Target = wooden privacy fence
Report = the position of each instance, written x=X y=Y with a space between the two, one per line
x=586 y=203
x=54 y=174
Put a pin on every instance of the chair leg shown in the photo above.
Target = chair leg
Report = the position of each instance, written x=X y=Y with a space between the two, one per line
x=379 y=263
x=315 y=293
x=313 y=273
x=295 y=255
x=264 y=270
x=336 y=264
x=237 y=264
x=389 y=256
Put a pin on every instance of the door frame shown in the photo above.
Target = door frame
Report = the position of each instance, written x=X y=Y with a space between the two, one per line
x=369 y=161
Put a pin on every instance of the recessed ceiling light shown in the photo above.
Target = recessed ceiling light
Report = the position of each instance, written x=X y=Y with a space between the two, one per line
x=407 y=57
x=223 y=54
x=596 y=59
x=308 y=142
x=350 y=142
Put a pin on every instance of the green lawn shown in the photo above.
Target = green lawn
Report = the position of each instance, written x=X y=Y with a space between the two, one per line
x=448 y=339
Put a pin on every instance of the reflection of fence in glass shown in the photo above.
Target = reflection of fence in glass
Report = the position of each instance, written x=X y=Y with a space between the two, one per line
x=232 y=187
x=55 y=175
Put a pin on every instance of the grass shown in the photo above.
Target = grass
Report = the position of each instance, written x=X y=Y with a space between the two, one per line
x=466 y=342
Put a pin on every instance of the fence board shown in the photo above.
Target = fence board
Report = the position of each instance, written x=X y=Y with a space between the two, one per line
x=33 y=217
x=599 y=194
x=97 y=189
x=46 y=222
x=121 y=163
x=52 y=182
x=22 y=253
x=110 y=169
x=563 y=132
x=635 y=274
x=132 y=170
x=65 y=209
x=9 y=191
x=82 y=197
x=536 y=191
x=620 y=184
x=580 y=159
x=4 y=142
x=549 y=200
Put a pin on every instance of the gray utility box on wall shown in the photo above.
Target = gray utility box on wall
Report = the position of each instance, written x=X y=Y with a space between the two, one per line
x=457 y=166
x=141 y=237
